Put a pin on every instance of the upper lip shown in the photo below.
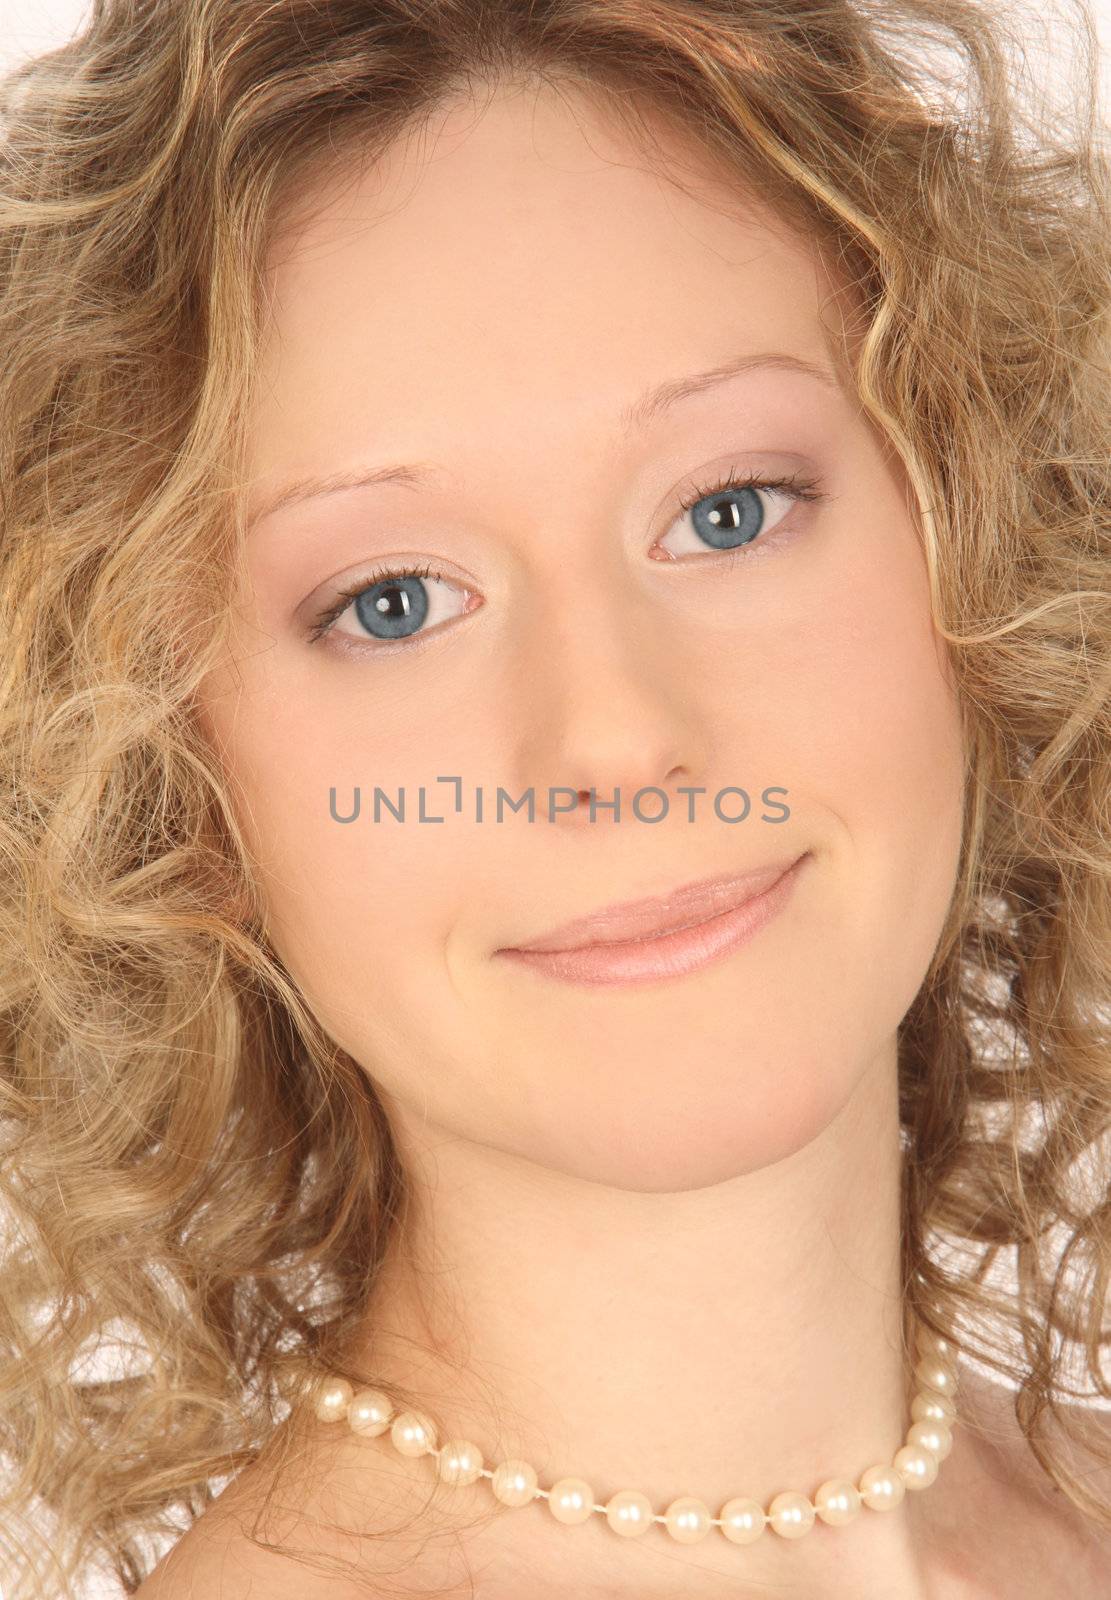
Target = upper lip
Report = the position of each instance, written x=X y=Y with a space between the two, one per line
x=682 y=908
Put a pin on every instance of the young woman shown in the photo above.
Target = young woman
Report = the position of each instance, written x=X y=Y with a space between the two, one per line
x=557 y=740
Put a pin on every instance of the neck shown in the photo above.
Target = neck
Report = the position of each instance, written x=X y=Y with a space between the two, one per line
x=735 y=1340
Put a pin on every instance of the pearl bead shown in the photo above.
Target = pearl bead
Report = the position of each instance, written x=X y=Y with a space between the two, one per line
x=742 y=1520
x=629 y=1513
x=369 y=1412
x=571 y=1500
x=916 y=1466
x=837 y=1501
x=928 y=1407
x=459 y=1461
x=932 y=1344
x=514 y=1483
x=688 y=1519
x=332 y=1399
x=936 y=1375
x=932 y=1436
x=791 y=1515
x=882 y=1488
x=413 y=1433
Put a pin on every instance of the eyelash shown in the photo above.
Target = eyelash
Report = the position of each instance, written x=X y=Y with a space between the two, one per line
x=796 y=486
x=375 y=575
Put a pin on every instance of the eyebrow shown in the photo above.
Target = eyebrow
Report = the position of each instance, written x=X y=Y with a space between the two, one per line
x=633 y=418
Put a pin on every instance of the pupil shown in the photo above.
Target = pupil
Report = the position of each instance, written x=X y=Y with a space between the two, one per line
x=728 y=524
x=394 y=608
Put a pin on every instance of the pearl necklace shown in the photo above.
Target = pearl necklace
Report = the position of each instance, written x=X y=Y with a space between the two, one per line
x=687 y=1519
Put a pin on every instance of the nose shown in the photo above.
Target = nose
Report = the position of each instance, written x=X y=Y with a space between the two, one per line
x=601 y=708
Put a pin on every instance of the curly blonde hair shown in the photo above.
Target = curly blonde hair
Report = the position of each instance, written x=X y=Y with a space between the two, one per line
x=192 y=1173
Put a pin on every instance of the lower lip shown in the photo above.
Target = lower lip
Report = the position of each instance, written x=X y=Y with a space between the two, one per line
x=667 y=955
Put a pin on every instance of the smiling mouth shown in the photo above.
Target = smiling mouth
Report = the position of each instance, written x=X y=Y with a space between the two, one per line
x=642 y=921
x=657 y=954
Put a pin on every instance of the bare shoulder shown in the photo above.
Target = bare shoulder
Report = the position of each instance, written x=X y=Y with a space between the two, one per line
x=1021 y=1535
x=306 y=1525
x=222 y=1556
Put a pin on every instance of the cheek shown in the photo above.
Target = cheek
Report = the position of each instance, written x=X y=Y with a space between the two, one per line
x=882 y=757
x=886 y=731
x=847 y=703
x=360 y=912
x=346 y=900
x=844 y=695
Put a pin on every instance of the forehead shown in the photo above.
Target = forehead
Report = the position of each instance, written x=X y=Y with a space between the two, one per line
x=519 y=263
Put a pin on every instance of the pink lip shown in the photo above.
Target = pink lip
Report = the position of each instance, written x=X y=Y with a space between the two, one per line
x=645 y=939
x=637 y=919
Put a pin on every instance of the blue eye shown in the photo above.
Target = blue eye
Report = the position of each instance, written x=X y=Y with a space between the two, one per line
x=388 y=603
x=737 y=508
x=397 y=604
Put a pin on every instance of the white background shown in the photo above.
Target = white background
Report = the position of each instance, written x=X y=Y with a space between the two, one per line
x=29 y=27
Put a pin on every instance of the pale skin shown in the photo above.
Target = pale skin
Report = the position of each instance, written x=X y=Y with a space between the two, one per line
x=658 y=1226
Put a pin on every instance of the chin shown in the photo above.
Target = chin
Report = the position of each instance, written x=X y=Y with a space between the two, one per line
x=693 y=1139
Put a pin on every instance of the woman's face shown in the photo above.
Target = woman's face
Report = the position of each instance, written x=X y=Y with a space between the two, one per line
x=490 y=305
